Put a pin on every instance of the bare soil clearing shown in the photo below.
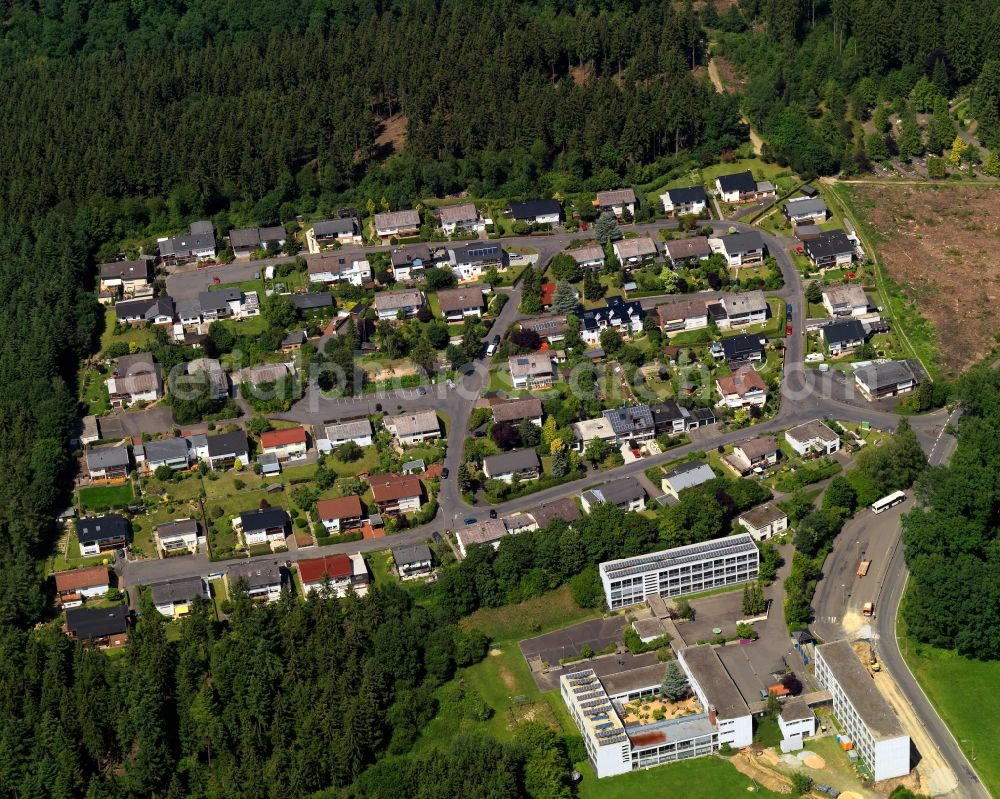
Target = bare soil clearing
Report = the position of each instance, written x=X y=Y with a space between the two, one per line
x=938 y=243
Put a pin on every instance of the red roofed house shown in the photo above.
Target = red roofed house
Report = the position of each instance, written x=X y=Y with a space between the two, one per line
x=342 y=513
x=742 y=388
x=343 y=572
x=285 y=444
x=73 y=587
x=548 y=291
x=395 y=493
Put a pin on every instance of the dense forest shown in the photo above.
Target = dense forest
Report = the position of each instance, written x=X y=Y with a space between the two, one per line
x=952 y=544
x=817 y=71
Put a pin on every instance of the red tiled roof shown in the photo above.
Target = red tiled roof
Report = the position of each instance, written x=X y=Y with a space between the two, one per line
x=282 y=438
x=337 y=566
x=741 y=381
x=78 y=579
x=389 y=487
x=548 y=290
x=340 y=508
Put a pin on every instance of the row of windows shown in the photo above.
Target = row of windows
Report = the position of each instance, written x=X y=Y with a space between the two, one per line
x=626 y=598
x=682 y=750
x=690 y=568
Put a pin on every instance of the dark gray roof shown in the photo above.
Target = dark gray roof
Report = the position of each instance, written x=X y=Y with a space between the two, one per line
x=615 y=307
x=257 y=574
x=738 y=181
x=218 y=300
x=477 y=253
x=855 y=681
x=314 y=299
x=688 y=474
x=529 y=209
x=128 y=309
x=832 y=242
x=87 y=623
x=263 y=519
x=178 y=527
x=804 y=206
x=161 y=306
x=125 y=270
x=565 y=509
x=628 y=420
x=294 y=338
x=415 y=553
x=100 y=528
x=843 y=331
x=408 y=256
x=709 y=672
x=516 y=461
x=167 y=449
x=334 y=227
x=234 y=443
x=883 y=375
x=201 y=236
x=244 y=237
x=742 y=346
x=618 y=492
x=743 y=242
x=107 y=457
x=664 y=413
x=689 y=194
x=183 y=589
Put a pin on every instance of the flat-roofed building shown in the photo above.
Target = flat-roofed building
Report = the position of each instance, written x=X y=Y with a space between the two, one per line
x=681 y=570
x=864 y=713
x=764 y=522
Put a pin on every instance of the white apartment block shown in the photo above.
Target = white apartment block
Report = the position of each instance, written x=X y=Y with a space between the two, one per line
x=681 y=570
x=863 y=712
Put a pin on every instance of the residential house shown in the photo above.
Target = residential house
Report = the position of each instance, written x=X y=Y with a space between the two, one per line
x=531 y=371
x=617 y=314
x=329 y=232
x=812 y=436
x=188 y=312
x=805 y=211
x=228 y=303
x=635 y=252
x=739 y=310
x=631 y=424
x=671 y=418
x=460 y=218
x=268 y=374
x=843 y=336
x=290 y=444
x=341 y=572
x=521 y=462
x=626 y=493
x=681 y=252
x=472 y=261
x=676 y=317
x=565 y=509
x=181 y=535
x=742 y=388
x=741 y=348
x=389 y=304
x=589 y=430
x=589 y=257
x=198 y=244
x=246 y=241
x=412 y=561
x=888 y=379
x=336 y=268
x=549 y=328
x=262 y=526
x=847 y=299
x=617 y=201
x=409 y=264
x=457 y=304
x=757 y=453
x=516 y=411
x=262 y=580
x=293 y=341
x=687 y=201
x=78 y=585
x=97 y=534
x=134 y=378
x=413 y=428
x=764 y=522
x=106 y=628
x=358 y=430
x=395 y=493
x=740 y=187
x=218 y=382
x=173 y=598
x=537 y=212
x=342 y=513
x=830 y=250
x=125 y=277
x=687 y=475
x=313 y=303
x=156 y=310
x=397 y=224
x=487 y=533
x=740 y=249
x=170 y=452
x=108 y=464
x=225 y=449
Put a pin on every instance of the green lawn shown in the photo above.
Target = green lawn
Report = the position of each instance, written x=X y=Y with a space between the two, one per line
x=958 y=687
x=94 y=392
x=137 y=334
x=700 y=778
x=99 y=497
x=529 y=618
x=775 y=324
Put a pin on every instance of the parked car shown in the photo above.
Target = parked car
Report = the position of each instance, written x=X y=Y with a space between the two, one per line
x=493 y=513
x=788 y=330
x=471 y=520
x=437 y=537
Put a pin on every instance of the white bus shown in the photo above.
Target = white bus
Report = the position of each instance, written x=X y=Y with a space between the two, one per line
x=888 y=502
